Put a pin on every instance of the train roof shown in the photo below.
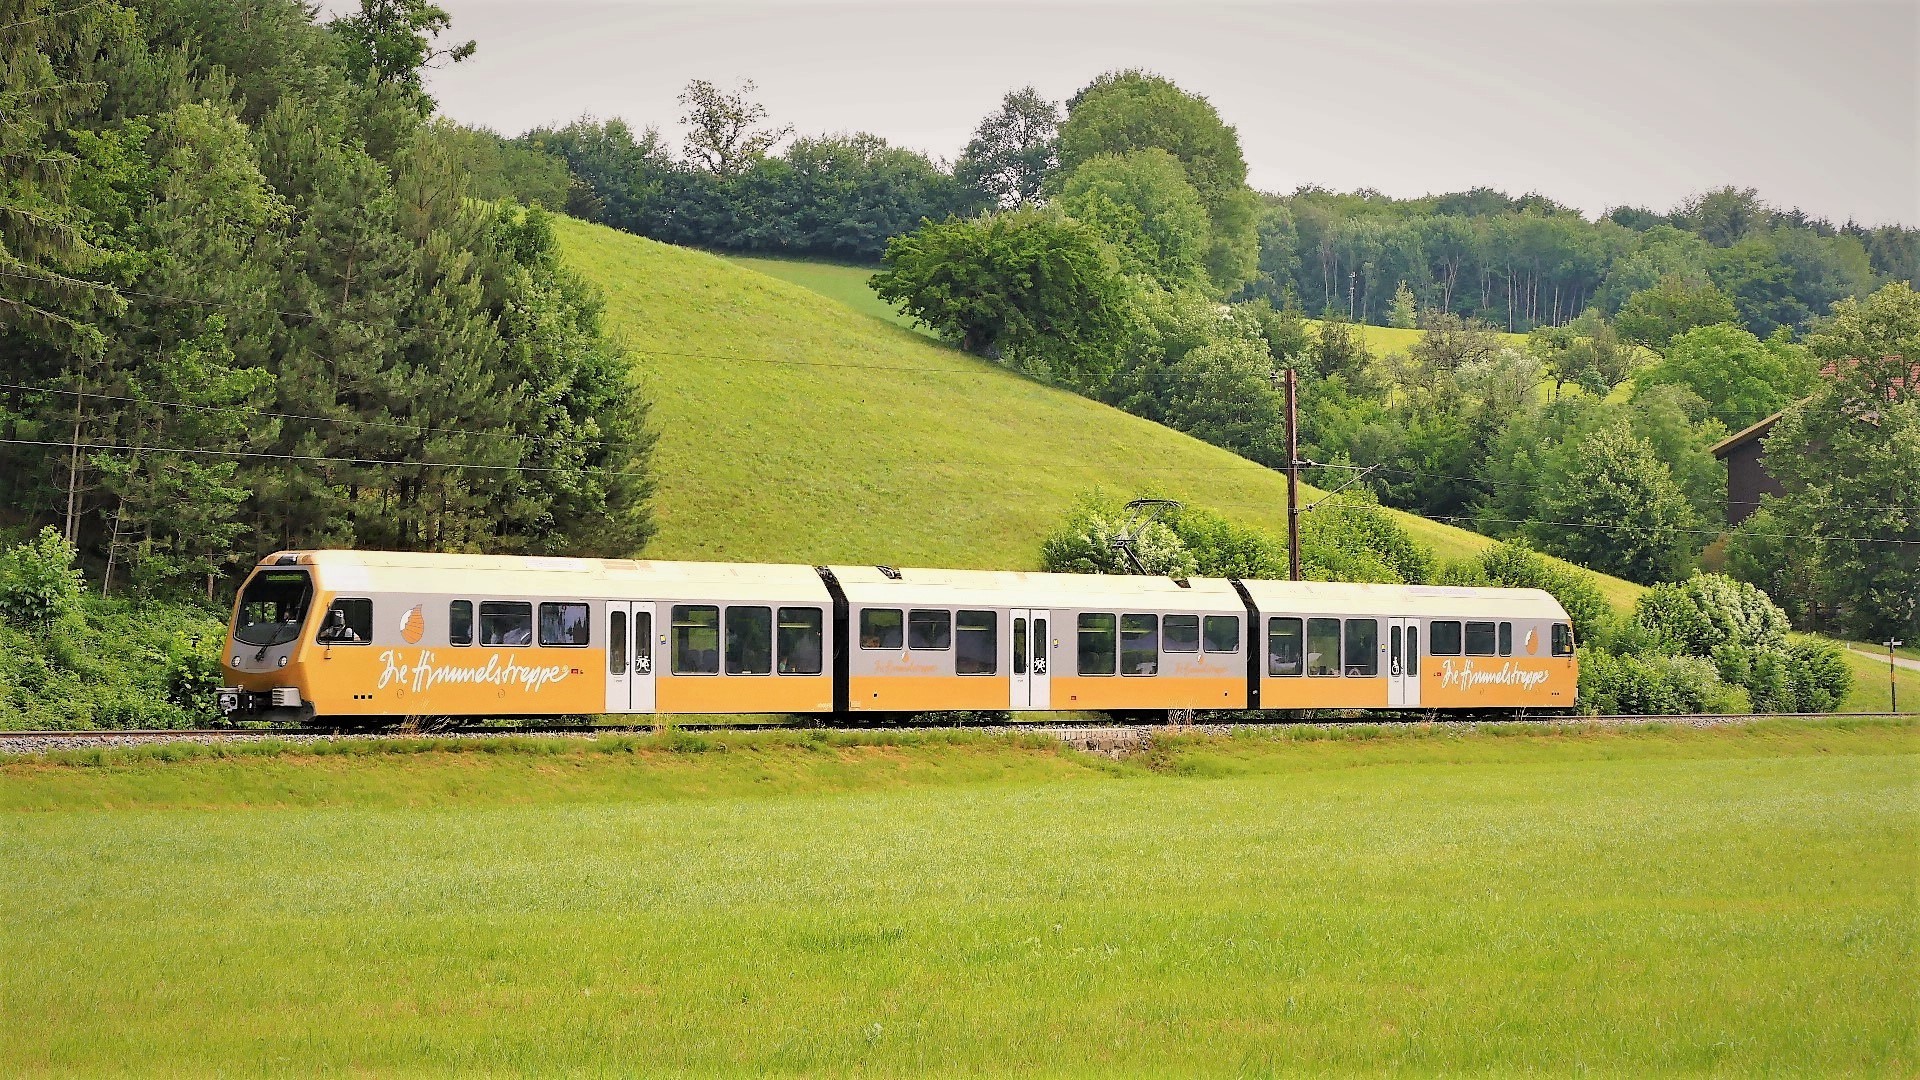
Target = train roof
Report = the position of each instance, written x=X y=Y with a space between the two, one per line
x=1426 y=601
x=995 y=588
x=339 y=570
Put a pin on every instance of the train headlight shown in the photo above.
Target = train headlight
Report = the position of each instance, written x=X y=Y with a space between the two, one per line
x=236 y=659
x=283 y=661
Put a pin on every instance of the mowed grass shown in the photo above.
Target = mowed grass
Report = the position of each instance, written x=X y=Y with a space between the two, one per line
x=1871 y=691
x=1620 y=903
x=837 y=281
x=848 y=285
x=797 y=430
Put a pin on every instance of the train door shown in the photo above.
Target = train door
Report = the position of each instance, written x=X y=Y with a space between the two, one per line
x=1403 y=663
x=1030 y=684
x=629 y=656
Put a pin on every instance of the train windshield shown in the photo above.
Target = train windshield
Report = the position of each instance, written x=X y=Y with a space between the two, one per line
x=273 y=606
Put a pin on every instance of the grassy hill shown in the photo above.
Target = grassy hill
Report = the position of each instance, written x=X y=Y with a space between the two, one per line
x=796 y=430
x=799 y=431
x=848 y=284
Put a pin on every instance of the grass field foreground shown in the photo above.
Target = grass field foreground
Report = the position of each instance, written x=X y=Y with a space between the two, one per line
x=1735 y=900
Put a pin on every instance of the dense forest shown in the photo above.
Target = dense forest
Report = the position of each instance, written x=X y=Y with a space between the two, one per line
x=252 y=302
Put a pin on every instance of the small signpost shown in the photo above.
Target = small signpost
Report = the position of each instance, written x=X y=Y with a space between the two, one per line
x=1893 y=684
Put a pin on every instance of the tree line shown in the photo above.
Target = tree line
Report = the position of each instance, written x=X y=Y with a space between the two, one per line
x=736 y=182
x=254 y=300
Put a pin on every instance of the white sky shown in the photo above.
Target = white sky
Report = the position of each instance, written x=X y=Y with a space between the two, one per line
x=1594 y=104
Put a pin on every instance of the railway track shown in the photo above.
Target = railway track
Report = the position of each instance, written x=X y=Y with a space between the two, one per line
x=1085 y=734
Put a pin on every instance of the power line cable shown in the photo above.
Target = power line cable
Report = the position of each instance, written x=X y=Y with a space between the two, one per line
x=197 y=452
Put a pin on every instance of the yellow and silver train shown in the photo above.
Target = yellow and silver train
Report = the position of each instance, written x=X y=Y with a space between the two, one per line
x=337 y=635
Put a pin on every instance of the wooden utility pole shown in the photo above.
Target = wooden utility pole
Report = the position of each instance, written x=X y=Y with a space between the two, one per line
x=1293 y=481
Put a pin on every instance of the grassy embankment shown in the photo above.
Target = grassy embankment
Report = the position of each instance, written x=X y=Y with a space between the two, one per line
x=1734 y=901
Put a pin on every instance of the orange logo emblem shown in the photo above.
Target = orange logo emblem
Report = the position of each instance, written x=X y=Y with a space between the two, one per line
x=1533 y=642
x=413 y=625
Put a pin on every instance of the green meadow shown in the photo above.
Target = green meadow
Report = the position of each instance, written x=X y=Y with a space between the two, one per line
x=1484 y=901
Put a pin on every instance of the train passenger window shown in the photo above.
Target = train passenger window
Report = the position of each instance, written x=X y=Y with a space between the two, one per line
x=643 y=643
x=1323 y=646
x=976 y=643
x=1139 y=644
x=1506 y=639
x=565 y=624
x=749 y=641
x=348 y=622
x=929 y=629
x=1363 y=648
x=460 y=622
x=696 y=639
x=801 y=640
x=1284 y=656
x=1097 y=646
x=505 y=623
x=1223 y=633
x=1562 y=639
x=880 y=628
x=272 y=607
x=1480 y=639
x=617 y=643
x=1444 y=639
x=1180 y=633
x=1019 y=646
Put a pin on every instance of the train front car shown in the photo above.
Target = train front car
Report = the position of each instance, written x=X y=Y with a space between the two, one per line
x=345 y=635
x=377 y=635
x=935 y=640
x=1413 y=648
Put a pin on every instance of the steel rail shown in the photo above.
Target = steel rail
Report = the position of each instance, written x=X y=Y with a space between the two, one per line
x=337 y=731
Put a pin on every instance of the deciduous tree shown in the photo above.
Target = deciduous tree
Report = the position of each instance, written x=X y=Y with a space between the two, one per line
x=1014 y=151
x=725 y=131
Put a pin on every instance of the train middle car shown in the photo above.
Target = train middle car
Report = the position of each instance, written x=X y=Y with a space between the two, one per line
x=342 y=634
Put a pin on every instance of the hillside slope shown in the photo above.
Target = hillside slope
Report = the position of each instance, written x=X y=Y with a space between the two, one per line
x=797 y=430
x=848 y=284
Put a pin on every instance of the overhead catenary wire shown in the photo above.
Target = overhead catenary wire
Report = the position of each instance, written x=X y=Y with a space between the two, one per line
x=264 y=455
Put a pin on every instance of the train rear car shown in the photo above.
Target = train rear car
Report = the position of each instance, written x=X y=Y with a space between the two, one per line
x=1412 y=647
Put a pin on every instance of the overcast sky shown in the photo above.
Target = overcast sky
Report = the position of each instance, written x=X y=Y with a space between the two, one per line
x=1595 y=104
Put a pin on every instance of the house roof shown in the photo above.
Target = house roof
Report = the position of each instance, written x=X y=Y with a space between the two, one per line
x=1745 y=435
x=1900 y=383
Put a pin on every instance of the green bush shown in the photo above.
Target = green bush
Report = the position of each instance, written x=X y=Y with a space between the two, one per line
x=38 y=582
x=1706 y=611
x=1634 y=685
x=1359 y=542
x=1084 y=544
x=1744 y=633
x=111 y=664
x=1514 y=565
x=1817 y=670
